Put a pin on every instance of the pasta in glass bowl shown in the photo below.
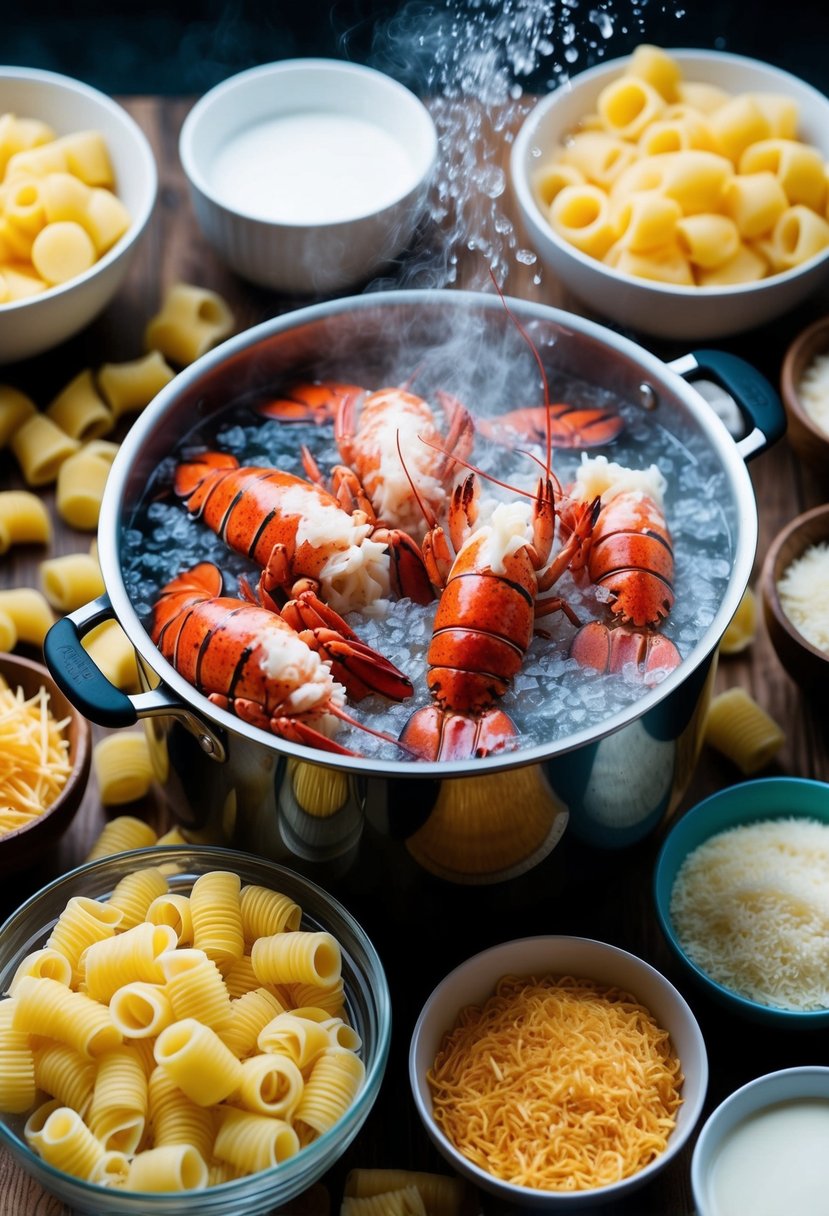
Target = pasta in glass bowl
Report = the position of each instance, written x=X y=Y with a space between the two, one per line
x=174 y=1075
x=680 y=193
x=511 y=1029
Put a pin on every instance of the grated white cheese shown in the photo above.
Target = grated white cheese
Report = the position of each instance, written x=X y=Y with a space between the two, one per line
x=750 y=907
x=598 y=476
x=804 y=594
x=813 y=391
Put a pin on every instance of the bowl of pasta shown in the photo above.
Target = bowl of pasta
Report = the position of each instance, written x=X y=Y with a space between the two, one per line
x=46 y=746
x=679 y=193
x=78 y=182
x=523 y=1033
x=186 y=1030
x=738 y=891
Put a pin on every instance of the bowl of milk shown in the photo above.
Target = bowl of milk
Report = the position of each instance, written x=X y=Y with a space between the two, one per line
x=763 y=1150
x=309 y=175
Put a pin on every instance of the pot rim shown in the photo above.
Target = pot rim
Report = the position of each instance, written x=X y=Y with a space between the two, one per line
x=111 y=524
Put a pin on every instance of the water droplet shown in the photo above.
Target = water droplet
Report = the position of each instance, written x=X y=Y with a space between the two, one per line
x=571 y=54
x=603 y=22
x=526 y=257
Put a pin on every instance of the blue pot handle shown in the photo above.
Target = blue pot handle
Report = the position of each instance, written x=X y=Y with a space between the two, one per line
x=77 y=676
x=755 y=397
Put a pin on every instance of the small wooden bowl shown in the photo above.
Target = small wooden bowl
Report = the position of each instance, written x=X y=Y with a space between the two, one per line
x=809 y=441
x=807 y=665
x=22 y=848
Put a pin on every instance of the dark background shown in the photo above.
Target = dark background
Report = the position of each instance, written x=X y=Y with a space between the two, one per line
x=186 y=48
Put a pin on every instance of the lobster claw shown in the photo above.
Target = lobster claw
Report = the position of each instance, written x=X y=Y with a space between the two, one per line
x=409 y=576
x=650 y=654
x=433 y=733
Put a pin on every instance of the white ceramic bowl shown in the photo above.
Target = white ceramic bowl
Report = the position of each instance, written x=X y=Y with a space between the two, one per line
x=31 y=326
x=474 y=981
x=292 y=172
x=784 y=1164
x=687 y=313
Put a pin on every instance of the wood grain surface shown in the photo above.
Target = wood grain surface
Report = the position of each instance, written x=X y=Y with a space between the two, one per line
x=579 y=890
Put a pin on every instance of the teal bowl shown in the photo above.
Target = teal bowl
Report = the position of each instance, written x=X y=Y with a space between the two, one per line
x=746 y=802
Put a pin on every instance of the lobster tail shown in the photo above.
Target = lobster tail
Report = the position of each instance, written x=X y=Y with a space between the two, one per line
x=433 y=733
x=192 y=473
x=650 y=654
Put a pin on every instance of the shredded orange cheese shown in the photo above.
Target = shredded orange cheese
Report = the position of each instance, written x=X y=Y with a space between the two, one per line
x=557 y=1084
x=34 y=757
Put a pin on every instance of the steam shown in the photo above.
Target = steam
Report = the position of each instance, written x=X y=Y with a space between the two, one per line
x=471 y=61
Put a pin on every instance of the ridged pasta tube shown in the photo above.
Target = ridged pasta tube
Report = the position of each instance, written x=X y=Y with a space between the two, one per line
x=123 y=767
x=190 y=321
x=23 y=520
x=254 y=1142
x=17 y=1064
x=67 y=1075
x=340 y=1034
x=67 y=1143
x=118 y=1111
x=217 y=916
x=132 y=955
x=43 y=962
x=120 y=834
x=175 y=1118
x=196 y=1059
x=241 y=978
x=265 y=912
x=334 y=1082
x=71 y=580
x=332 y=999
x=141 y=1010
x=195 y=987
x=300 y=1039
x=172 y=1167
x=300 y=957
x=406 y=1201
x=33 y=1127
x=173 y=909
x=271 y=1085
x=133 y=894
x=742 y=731
x=441 y=1194
x=250 y=1013
x=49 y=1008
x=82 y=922
x=80 y=410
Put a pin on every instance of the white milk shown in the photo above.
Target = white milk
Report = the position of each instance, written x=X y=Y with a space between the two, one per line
x=775 y=1163
x=312 y=167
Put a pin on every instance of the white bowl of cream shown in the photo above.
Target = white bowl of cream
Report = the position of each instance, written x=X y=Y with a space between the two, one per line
x=308 y=175
x=763 y=1150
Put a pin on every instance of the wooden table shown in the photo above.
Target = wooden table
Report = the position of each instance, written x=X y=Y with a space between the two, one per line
x=579 y=890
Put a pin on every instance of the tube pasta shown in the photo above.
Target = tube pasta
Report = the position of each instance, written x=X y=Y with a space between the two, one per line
x=265 y=912
x=335 y=1078
x=62 y=1071
x=176 y=1119
x=81 y=483
x=197 y=1061
x=174 y=910
x=742 y=628
x=755 y=202
x=581 y=215
x=271 y=1084
x=118 y=1111
x=217 y=917
x=123 y=768
x=645 y=220
x=128 y=387
x=24 y=520
x=190 y=321
x=121 y=834
x=80 y=410
x=71 y=580
x=299 y=957
x=406 y=1201
x=30 y=613
x=45 y=962
x=441 y=1195
x=67 y=1143
x=742 y=731
x=660 y=70
x=51 y=1009
x=250 y=1014
x=17 y=1063
x=134 y=893
x=141 y=1010
x=131 y=955
x=798 y=167
x=746 y=266
x=254 y=1142
x=172 y=1167
x=15 y=409
x=82 y=922
x=195 y=987
x=798 y=235
x=553 y=177
x=299 y=1038
x=627 y=105
x=241 y=978
x=332 y=999
x=112 y=653
x=598 y=157
x=707 y=240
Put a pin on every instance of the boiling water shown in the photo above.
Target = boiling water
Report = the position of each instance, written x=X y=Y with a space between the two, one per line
x=551 y=697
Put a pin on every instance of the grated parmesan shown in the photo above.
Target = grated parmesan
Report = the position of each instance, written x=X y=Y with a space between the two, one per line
x=34 y=757
x=804 y=594
x=813 y=391
x=750 y=907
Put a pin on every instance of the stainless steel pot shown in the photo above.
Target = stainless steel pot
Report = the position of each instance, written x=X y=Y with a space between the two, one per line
x=473 y=821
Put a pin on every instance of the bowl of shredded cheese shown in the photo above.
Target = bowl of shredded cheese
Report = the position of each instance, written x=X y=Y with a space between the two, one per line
x=794 y=582
x=741 y=888
x=561 y=1032
x=804 y=388
x=45 y=754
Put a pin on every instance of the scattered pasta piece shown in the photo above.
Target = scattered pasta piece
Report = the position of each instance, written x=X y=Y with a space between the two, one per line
x=121 y=834
x=742 y=731
x=30 y=612
x=24 y=520
x=40 y=448
x=441 y=1194
x=113 y=654
x=34 y=758
x=320 y=791
x=15 y=409
x=123 y=768
x=81 y=484
x=742 y=628
x=406 y=1201
x=8 y=632
x=71 y=580
x=191 y=320
x=129 y=387
x=80 y=410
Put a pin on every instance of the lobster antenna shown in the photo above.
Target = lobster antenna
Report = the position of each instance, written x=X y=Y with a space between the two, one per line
x=378 y=734
x=534 y=350
x=473 y=468
x=428 y=515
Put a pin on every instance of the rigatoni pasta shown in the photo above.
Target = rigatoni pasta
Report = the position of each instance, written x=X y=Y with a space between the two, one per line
x=123 y=768
x=190 y=321
x=80 y=410
x=741 y=730
x=40 y=448
x=71 y=580
x=128 y=387
x=24 y=520
x=751 y=196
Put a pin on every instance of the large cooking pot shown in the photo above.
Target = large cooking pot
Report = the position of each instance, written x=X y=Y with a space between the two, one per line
x=477 y=820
